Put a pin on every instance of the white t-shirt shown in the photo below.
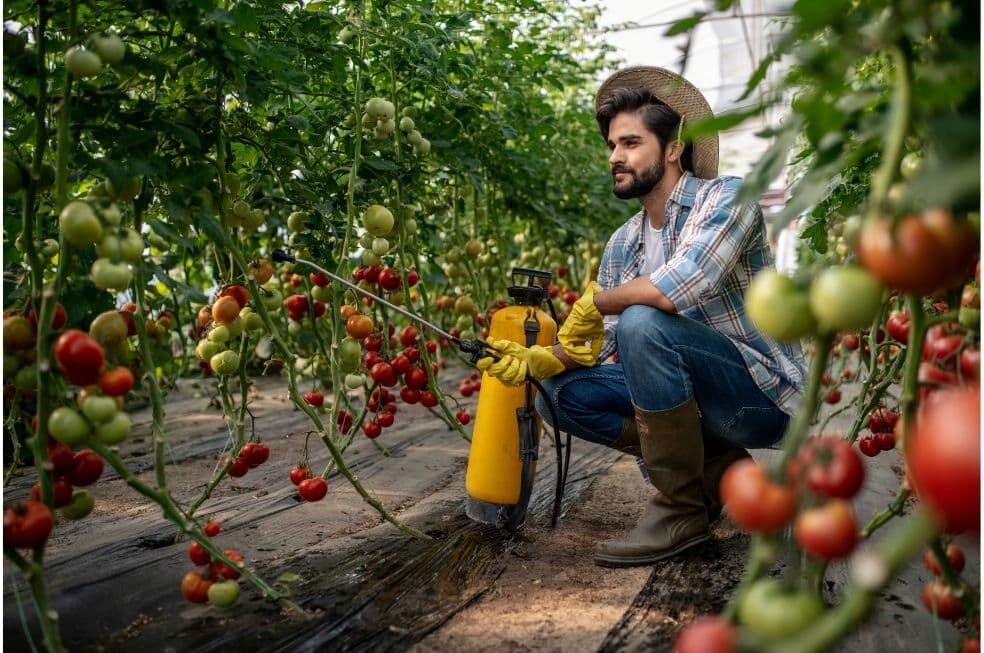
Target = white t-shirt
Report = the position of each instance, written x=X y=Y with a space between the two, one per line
x=653 y=244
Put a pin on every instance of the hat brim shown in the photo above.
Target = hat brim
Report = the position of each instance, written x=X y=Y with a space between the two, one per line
x=681 y=96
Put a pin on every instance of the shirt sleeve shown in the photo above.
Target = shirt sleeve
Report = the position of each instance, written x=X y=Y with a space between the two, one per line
x=715 y=236
x=606 y=281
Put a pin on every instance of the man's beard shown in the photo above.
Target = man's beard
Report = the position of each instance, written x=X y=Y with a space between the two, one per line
x=640 y=185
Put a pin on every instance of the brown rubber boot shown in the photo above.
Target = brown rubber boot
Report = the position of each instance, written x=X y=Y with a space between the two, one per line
x=717 y=459
x=675 y=518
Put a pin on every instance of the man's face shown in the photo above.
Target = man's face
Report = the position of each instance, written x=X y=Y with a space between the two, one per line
x=637 y=157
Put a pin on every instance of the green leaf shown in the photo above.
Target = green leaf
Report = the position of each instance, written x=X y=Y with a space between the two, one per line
x=685 y=24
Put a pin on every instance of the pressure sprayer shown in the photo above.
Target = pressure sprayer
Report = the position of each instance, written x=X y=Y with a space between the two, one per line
x=506 y=438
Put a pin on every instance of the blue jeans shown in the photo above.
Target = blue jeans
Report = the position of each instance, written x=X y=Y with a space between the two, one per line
x=664 y=360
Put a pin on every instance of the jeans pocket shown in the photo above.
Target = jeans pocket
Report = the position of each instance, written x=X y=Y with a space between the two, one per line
x=756 y=428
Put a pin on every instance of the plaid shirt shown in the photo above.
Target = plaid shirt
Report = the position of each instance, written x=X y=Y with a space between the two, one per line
x=712 y=249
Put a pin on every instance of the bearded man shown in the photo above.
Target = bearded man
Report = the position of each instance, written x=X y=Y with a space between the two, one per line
x=695 y=385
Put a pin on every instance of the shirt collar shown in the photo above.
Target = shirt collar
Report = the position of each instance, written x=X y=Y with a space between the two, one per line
x=685 y=190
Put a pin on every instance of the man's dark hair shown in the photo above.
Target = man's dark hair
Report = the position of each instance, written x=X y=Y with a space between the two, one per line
x=657 y=116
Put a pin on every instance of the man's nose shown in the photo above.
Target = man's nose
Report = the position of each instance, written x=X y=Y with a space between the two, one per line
x=616 y=157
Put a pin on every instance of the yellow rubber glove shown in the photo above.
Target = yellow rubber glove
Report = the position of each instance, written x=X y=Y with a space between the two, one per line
x=583 y=332
x=517 y=361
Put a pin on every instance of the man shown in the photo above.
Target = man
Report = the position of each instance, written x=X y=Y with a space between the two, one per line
x=695 y=384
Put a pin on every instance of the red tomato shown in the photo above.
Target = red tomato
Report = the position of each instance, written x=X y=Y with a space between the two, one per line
x=389 y=279
x=971 y=645
x=58 y=320
x=830 y=467
x=61 y=457
x=408 y=336
x=885 y=441
x=428 y=399
x=463 y=416
x=27 y=524
x=212 y=528
x=385 y=419
x=199 y=555
x=298 y=473
x=313 y=489
x=943 y=454
x=259 y=455
x=87 y=467
x=833 y=397
x=79 y=357
x=970 y=363
x=412 y=278
x=319 y=279
x=239 y=293
x=400 y=364
x=194 y=587
x=754 y=502
x=869 y=446
x=239 y=467
x=116 y=382
x=828 y=531
x=941 y=599
x=911 y=259
x=314 y=398
x=707 y=634
x=898 y=326
x=955 y=556
x=297 y=304
x=882 y=420
x=416 y=378
x=383 y=374
x=221 y=569
x=61 y=489
x=851 y=341
x=372 y=429
x=371 y=274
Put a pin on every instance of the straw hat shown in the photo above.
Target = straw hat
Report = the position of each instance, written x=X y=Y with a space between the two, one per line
x=681 y=96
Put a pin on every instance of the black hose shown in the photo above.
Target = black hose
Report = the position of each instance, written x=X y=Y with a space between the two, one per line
x=562 y=464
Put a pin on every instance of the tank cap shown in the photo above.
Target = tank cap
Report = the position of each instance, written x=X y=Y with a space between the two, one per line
x=536 y=289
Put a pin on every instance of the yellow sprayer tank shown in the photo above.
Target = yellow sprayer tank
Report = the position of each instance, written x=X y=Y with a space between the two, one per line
x=494 y=464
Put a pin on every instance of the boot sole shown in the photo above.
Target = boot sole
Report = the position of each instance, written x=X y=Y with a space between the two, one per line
x=605 y=560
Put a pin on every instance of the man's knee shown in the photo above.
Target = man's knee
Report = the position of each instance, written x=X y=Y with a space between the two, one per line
x=639 y=325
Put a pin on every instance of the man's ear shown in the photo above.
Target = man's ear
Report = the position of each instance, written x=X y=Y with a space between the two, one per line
x=675 y=151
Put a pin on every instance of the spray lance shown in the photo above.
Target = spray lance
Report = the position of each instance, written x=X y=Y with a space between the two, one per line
x=503 y=454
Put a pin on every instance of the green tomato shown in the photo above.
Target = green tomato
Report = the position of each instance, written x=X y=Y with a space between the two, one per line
x=473 y=247
x=969 y=317
x=378 y=220
x=81 y=505
x=11 y=365
x=410 y=226
x=79 y=224
x=365 y=240
x=225 y=362
x=109 y=213
x=370 y=258
x=82 y=63
x=453 y=255
x=26 y=378
x=423 y=147
x=415 y=138
x=220 y=333
x=845 y=298
x=99 y=409
x=380 y=246
x=386 y=127
x=253 y=322
x=297 y=221
x=255 y=219
x=131 y=246
x=349 y=348
x=205 y=349
x=322 y=294
x=242 y=209
x=773 y=612
x=236 y=327
x=409 y=111
x=67 y=426
x=777 y=307
x=129 y=190
x=406 y=124
x=295 y=328
x=224 y=593
x=13 y=176
x=115 y=430
x=464 y=322
x=271 y=298
x=354 y=381
x=109 y=47
x=49 y=248
x=107 y=275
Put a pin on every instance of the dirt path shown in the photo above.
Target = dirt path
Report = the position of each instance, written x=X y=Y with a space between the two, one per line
x=551 y=596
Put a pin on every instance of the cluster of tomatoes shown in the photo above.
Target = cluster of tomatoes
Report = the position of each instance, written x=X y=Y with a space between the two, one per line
x=882 y=423
x=311 y=488
x=219 y=583
x=253 y=454
x=92 y=361
x=221 y=322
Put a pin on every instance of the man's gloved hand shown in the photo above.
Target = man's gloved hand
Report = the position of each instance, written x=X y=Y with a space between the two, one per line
x=583 y=324
x=516 y=361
